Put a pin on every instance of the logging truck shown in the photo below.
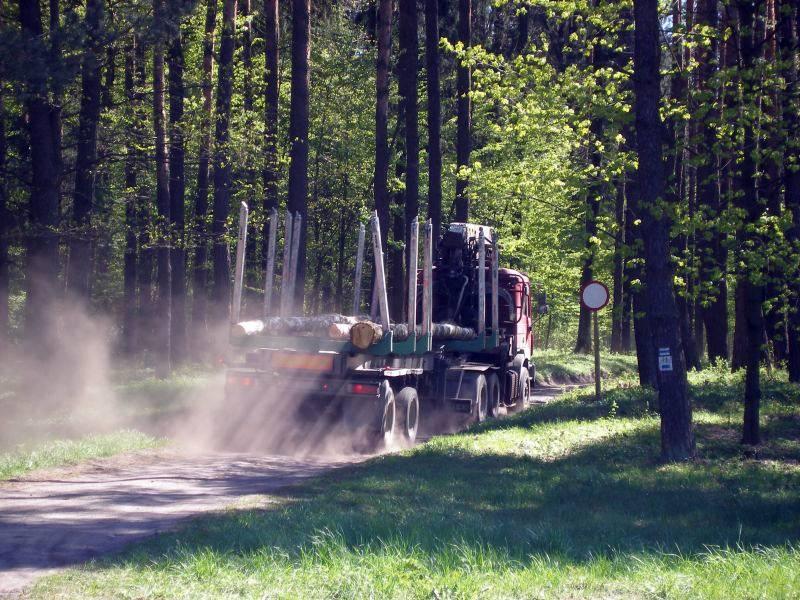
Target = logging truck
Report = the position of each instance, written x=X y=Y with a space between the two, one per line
x=464 y=344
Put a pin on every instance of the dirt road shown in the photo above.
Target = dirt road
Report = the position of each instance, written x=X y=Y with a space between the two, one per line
x=64 y=517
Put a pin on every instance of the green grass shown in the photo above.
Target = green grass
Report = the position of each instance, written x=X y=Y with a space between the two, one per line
x=567 y=500
x=58 y=453
x=558 y=366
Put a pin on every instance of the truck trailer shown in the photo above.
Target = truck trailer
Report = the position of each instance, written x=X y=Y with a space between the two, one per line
x=464 y=347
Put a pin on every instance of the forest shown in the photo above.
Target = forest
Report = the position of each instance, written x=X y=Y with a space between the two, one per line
x=651 y=145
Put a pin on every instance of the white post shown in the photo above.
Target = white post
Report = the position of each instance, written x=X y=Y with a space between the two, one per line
x=380 y=273
x=359 y=267
x=413 y=263
x=481 y=281
x=495 y=285
x=427 y=280
x=269 y=275
x=287 y=259
x=238 y=281
x=298 y=220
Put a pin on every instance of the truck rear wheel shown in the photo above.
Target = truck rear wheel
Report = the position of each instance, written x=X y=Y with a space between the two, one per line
x=386 y=414
x=407 y=405
x=480 y=400
x=493 y=387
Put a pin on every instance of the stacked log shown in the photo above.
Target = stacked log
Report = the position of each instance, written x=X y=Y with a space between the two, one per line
x=362 y=332
x=365 y=333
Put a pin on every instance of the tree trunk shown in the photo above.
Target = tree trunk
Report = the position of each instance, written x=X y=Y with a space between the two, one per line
x=712 y=252
x=177 y=189
x=770 y=184
x=788 y=40
x=86 y=158
x=129 y=324
x=409 y=48
x=164 y=306
x=271 y=94
x=618 y=304
x=521 y=41
x=464 y=118
x=748 y=201
x=145 y=326
x=384 y=35
x=200 y=269
x=677 y=439
x=434 y=117
x=4 y=221
x=42 y=243
x=298 y=134
x=222 y=166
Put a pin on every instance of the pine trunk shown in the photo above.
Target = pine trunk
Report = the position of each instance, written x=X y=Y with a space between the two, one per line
x=748 y=201
x=42 y=260
x=409 y=49
x=222 y=166
x=298 y=134
x=677 y=439
x=384 y=35
x=177 y=190
x=788 y=40
x=164 y=306
x=271 y=94
x=4 y=222
x=434 y=117
x=200 y=268
x=464 y=117
x=129 y=324
x=80 y=247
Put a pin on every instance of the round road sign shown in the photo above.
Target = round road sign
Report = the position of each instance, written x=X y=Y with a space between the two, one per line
x=594 y=295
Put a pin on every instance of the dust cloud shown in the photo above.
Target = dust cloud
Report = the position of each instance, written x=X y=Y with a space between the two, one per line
x=79 y=385
x=63 y=388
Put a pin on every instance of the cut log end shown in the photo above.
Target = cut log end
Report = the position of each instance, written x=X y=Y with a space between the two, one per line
x=365 y=333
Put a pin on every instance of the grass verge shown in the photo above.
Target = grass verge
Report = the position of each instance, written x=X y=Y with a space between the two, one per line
x=558 y=366
x=562 y=501
x=58 y=453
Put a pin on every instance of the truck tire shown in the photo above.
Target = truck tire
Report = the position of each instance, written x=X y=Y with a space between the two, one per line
x=386 y=415
x=407 y=406
x=480 y=400
x=524 y=397
x=493 y=387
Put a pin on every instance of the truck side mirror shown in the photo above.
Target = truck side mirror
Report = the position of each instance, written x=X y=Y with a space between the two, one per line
x=541 y=303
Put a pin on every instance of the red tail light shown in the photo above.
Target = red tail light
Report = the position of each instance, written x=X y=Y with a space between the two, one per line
x=365 y=388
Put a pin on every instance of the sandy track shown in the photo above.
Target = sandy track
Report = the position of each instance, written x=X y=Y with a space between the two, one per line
x=61 y=518
x=64 y=517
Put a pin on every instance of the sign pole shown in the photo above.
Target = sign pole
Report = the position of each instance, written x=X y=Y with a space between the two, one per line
x=597 y=390
x=594 y=296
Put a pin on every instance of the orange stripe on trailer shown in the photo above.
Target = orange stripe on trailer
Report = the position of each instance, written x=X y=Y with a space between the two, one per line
x=318 y=363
